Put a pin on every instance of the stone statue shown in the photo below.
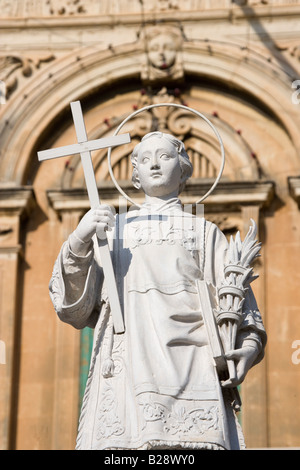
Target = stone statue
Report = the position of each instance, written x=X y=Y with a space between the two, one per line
x=156 y=385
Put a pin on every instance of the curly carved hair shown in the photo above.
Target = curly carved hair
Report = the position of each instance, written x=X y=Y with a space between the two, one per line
x=185 y=163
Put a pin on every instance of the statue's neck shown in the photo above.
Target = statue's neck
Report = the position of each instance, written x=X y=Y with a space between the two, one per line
x=159 y=200
x=160 y=203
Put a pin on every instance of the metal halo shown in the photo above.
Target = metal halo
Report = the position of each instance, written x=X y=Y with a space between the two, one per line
x=174 y=105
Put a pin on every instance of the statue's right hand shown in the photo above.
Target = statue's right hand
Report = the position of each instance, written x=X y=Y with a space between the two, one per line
x=97 y=220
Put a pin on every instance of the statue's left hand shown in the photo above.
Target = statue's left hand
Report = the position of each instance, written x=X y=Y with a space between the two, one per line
x=244 y=359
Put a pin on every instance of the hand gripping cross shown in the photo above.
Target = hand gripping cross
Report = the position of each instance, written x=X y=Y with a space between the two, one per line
x=84 y=147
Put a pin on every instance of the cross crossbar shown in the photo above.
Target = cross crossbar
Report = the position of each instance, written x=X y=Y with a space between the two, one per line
x=84 y=147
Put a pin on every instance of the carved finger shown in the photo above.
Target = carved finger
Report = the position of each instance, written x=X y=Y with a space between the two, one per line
x=100 y=214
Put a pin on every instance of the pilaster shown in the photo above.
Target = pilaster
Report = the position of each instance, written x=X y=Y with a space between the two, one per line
x=15 y=205
x=67 y=348
x=294 y=187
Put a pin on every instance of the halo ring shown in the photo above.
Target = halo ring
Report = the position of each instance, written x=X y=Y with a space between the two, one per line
x=174 y=105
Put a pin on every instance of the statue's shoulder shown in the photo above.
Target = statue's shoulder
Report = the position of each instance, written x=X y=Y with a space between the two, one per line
x=212 y=229
x=209 y=226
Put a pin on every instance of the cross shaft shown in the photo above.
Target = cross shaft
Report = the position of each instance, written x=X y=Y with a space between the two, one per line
x=84 y=147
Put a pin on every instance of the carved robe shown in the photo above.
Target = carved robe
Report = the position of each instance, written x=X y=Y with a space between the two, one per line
x=155 y=386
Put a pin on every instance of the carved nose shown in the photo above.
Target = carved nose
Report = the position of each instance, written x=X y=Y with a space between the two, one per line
x=155 y=166
x=155 y=163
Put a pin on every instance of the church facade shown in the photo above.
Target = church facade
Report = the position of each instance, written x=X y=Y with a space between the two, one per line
x=235 y=62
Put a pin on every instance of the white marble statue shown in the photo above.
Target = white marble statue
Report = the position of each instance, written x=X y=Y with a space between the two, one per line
x=155 y=385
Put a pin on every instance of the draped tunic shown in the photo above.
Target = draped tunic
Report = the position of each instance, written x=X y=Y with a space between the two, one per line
x=156 y=385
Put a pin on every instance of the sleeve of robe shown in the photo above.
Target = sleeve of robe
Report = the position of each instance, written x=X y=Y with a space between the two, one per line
x=75 y=286
x=252 y=328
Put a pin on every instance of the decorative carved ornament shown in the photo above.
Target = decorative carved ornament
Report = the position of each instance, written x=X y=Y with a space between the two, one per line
x=291 y=48
x=15 y=69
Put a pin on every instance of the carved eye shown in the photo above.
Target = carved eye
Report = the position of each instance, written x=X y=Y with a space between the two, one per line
x=169 y=47
x=165 y=156
x=145 y=159
x=154 y=47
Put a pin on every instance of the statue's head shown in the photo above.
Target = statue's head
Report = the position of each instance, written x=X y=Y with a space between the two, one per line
x=161 y=165
x=162 y=51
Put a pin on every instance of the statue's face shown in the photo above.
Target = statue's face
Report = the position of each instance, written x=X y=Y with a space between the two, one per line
x=158 y=167
x=162 y=51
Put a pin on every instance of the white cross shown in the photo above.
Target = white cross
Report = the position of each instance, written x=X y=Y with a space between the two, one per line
x=84 y=147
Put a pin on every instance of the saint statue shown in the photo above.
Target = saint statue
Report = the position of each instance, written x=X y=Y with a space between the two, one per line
x=155 y=386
